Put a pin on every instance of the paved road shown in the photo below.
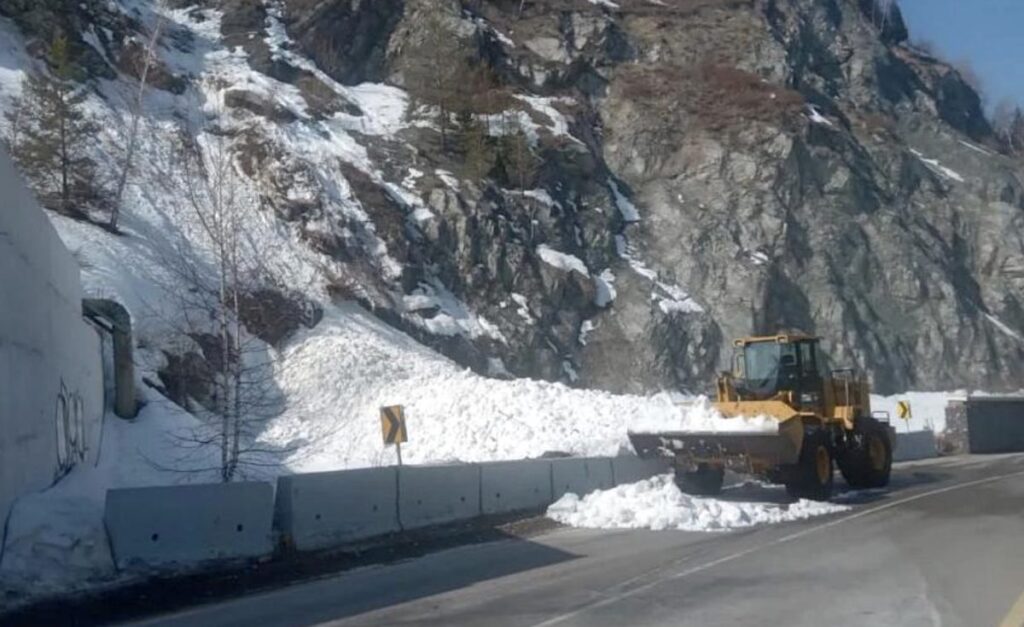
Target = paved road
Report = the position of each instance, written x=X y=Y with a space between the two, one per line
x=944 y=546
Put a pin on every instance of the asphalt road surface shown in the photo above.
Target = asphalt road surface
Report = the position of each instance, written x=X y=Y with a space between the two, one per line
x=943 y=546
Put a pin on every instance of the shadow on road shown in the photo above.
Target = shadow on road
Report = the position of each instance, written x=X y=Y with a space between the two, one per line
x=325 y=578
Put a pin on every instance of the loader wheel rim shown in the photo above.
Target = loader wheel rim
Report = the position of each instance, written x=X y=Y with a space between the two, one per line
x=822 y=464
x=876 y=453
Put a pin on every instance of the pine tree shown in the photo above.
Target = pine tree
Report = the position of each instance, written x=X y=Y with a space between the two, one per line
x=437 y=69
x=479 y=157
x=55 y=135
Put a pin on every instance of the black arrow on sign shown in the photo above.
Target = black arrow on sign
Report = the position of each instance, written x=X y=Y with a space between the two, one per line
x=396 y=424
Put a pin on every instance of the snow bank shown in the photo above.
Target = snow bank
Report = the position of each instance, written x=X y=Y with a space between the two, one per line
x=658 y=504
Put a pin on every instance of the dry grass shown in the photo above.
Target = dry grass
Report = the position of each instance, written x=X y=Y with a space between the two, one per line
x=720 y=96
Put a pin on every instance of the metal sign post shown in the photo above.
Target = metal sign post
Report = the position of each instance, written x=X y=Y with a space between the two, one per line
x=392 y=428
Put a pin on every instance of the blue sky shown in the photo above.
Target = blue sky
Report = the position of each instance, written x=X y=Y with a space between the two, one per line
x=988 y=33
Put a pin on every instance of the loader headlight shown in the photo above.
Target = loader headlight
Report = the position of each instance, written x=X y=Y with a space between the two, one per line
x=808 y=398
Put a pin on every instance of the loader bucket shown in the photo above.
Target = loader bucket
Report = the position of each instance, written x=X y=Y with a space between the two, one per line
x=731 y=449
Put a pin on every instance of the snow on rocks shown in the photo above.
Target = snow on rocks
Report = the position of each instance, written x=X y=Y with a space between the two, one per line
x=938 y=168
x=562 y=261
x=604 y=285
x=817 y=117
x=658 y=504
x=626 y=207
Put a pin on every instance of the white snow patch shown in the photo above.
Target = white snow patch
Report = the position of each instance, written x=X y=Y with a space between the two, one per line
x=523 y=307
x=626 y=207
x=977 y=148
x=448 y=179
x=937 y=167
x=585 y=329
x=453 y=317
x=758 y=258
x=817 y=117
x=605 y=3
x=542 y=196
x=658 y=504
x=1002 y=326
x=670 y=298
x=604 y=284
x=562 y=261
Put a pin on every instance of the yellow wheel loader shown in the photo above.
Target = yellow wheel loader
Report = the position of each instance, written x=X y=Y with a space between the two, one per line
x=823 y=419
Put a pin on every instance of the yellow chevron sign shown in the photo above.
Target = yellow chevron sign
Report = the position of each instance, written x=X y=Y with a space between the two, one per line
x=392 y=424
x=903 y=410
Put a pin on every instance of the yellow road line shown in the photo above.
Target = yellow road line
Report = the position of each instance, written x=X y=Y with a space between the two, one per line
x=1016 y=616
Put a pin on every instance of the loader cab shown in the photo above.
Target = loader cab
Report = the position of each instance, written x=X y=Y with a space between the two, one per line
x=764 y=367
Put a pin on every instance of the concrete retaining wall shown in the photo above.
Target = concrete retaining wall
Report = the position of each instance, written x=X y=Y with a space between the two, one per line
x=190 y=524
x=515 y=486
x=580 y=475
x=51 y=377
x=628 y=469
x=995 y=424
x=326 y=509
x=431 y=495
x=915 y=445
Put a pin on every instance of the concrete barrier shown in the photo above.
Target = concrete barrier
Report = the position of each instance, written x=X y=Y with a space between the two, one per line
x=189 y=524
x=915 y=445
x=630 y=469
x=325 y=509
x=515 y=486
x=431 y=495
x=580 y=475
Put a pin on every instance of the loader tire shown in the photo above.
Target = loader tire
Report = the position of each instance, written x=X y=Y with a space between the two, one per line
x=705 y=481
x=812 y=476
x=867 y=460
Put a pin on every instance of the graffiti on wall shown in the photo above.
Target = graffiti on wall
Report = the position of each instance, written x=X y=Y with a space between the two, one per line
x=70 y=419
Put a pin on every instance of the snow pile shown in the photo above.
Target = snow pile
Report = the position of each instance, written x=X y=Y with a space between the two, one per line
x=658 y=504
x=336 y=377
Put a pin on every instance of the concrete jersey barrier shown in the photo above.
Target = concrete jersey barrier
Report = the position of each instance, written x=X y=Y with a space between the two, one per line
x=580 y=475
x=915 y=445
x=630 y=469
x=193 y=524
x=190 y=524
x=515 y=485
x=325 y=509
x=432 y=495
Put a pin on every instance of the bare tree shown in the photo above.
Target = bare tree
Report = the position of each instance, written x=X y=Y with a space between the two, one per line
x=227 y=375
x=15 y=116
x=1008 y=122
x=136 y=111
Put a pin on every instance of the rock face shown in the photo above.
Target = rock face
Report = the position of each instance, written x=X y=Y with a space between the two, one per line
x=706 y=169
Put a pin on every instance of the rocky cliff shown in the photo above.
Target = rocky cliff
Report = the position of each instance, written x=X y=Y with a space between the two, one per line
x=703 y=169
